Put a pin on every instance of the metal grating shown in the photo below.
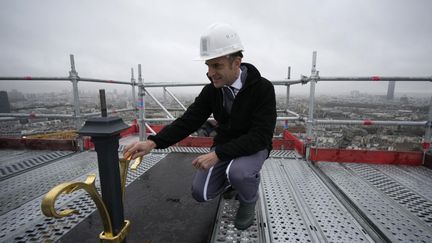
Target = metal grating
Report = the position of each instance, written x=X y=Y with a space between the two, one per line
x=286 y=154
x=224 y=230
x=175 y=149
x=18 y=162
x=203 y=150
x=24 y=187
x=27 y=224
x=300 y=208
x=393 y=220
x=285 y=222
x=420 y=172
x=329 y=217
x=413 y=194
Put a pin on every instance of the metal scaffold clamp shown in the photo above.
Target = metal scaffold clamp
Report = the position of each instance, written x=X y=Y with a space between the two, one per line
x=304 y=79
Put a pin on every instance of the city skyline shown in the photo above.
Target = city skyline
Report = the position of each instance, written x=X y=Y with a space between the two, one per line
x=352 y=38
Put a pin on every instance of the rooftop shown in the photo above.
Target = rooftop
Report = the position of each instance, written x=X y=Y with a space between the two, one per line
x=300 y=201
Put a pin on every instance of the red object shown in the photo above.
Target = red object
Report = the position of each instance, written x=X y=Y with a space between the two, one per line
x=28 y=78
x=298 y=144
x=283 y=144
x=196 y=142
x=366 y=156
x=156 y=128
x=88 y=144
x=367 y=122
x=376 y=78
x=110 y=81
x=426 y=146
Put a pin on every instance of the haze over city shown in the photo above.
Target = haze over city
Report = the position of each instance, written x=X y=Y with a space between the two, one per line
x=108 y=38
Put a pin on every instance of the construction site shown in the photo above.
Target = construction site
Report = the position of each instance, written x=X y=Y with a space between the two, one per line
x=327 y=179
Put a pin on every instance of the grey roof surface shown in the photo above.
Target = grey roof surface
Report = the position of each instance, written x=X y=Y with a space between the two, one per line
x=299 y=201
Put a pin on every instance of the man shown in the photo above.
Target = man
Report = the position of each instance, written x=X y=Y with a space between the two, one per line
x=243 y=104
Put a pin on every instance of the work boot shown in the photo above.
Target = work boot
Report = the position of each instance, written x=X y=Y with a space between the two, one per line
x=230 y=193
x=245 y=216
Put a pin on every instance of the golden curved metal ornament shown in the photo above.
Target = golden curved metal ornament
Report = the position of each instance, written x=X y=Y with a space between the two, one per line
x=137 y=162
x=124 y=165
x=48 y=202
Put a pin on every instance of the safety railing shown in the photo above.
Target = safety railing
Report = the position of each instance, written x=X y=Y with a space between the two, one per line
x=143 y=89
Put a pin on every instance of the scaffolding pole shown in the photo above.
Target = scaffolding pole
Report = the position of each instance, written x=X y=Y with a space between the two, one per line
x=160 y=104
x=175 y=98
x=428 y=133
x=141 y=106
x=369 y=122
x=309 y=122
x=73 y=76
x=134 y=103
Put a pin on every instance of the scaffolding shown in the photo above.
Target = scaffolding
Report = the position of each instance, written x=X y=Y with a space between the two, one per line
x=139 y=105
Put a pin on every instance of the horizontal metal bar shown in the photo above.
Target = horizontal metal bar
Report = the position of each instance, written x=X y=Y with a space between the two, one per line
x=375 y=78
x=34 y=115
x=39 y=115
x=27 y=78
x=176 y=84
x=290 y=118
x=109 y=112
x=303 y=80
x=172 y=84
x=94 y=80
x=369 y=122
x=288 y=82
x=152 y=120
x=3 y=119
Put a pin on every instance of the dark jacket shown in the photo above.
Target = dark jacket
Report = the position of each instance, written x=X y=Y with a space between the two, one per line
x=247 y=130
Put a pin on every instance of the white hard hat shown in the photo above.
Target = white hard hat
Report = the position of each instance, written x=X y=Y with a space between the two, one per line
x=219 y=40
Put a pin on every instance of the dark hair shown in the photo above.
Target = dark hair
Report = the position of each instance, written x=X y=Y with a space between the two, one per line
x=234 y=55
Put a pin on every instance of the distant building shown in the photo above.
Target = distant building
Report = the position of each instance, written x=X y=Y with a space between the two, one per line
x=4 y=102
x=390 y=90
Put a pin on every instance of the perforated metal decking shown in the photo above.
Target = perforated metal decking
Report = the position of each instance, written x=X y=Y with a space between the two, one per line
x=299 y=202
x=397 y=199
x=21 y=219
x=295 y=206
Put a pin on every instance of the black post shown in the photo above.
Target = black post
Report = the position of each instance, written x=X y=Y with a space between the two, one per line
x=105 y=134
x=103 y=102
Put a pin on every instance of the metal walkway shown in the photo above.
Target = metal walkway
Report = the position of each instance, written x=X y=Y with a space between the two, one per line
x=21 y=219
x=397 y=199
x=295 y=206
x=299 y=201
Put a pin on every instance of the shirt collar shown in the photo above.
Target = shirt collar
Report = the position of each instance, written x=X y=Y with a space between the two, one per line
x=238 y=83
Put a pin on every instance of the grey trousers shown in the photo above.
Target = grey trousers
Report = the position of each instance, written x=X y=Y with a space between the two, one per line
x=242 y=173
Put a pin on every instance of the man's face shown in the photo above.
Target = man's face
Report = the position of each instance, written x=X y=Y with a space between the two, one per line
x=223 y=71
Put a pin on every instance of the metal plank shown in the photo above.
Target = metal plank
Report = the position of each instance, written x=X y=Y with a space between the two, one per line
x=393 y=220
x=321 y=216
x=26 y=223
x=285 y=223
x=407 y=191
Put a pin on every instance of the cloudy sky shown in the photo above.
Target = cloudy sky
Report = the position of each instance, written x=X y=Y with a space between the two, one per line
x=108 y=38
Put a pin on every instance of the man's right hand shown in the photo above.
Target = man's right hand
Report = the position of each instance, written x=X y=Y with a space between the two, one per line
x=138 y=149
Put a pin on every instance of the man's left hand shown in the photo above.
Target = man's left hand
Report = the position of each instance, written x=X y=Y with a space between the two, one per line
x=206 y=161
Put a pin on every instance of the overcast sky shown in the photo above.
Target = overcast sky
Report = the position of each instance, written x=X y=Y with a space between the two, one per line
x=352 y=38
